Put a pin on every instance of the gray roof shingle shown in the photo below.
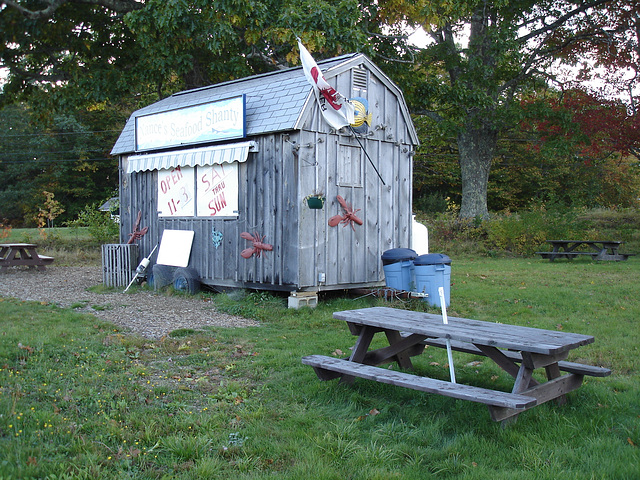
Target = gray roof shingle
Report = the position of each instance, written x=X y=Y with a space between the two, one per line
x=274 y=101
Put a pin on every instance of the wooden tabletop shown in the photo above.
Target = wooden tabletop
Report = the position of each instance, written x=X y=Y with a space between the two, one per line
x=477 y=332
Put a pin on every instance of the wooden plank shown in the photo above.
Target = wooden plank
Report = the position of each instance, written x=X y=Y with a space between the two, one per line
x=570 y=367
x=400 y=350
x=423 y=384
x=360 y=349
x=474 y=331
x=502 y=360
x=543 y=393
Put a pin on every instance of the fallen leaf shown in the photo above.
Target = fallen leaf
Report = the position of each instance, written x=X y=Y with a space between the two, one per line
x=374 y=411
x=24 y=347
x=434 y=364
x=631 y=442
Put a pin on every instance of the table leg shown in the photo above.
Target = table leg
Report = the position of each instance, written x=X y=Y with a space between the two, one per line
x=506 y=364
x=404 y=360
x=553 y=371
x=523 y=379
x=360 y=349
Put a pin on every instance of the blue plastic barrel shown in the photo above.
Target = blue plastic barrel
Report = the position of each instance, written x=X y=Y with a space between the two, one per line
x=433 y=271
x=398 y=268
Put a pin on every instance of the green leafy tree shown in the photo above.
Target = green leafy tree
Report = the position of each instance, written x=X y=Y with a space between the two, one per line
x=64 y=157
x=483 y=57
x=65 y=52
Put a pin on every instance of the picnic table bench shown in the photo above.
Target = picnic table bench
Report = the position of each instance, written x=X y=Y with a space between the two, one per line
x=15 y=254
x=517 y=350
x=596 y=249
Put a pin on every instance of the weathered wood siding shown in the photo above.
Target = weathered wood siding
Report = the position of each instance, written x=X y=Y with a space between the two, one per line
x=350 y=257
x=266 y=203
x=273 y=184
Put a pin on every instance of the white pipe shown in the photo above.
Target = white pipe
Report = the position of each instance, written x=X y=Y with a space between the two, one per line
x=443 y=306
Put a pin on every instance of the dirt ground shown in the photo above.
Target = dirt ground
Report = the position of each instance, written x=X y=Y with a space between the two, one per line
x=145 y=312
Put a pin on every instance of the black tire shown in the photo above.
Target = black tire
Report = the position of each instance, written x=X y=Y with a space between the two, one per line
x=162 y=275
x=186 y=280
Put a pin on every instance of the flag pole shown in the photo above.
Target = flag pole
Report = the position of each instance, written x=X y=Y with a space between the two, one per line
x=365 y=152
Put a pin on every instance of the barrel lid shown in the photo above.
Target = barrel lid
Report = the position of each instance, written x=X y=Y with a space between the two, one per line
x=397 y=255
x=432 y=259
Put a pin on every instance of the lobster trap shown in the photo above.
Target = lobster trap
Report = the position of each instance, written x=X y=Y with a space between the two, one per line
x=119 y=262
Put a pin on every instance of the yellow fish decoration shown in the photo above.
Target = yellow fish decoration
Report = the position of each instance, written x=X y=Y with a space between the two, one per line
x=363 y=116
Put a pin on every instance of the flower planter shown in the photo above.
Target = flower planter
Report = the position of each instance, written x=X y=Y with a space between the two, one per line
x=315 y=202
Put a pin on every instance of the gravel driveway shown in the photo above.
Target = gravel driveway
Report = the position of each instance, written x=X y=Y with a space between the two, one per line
x=147 y=313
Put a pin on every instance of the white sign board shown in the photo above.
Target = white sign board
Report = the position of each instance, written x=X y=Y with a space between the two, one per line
x=217 y=189
x=176 y=196
x=219 y=120
x=175 y=248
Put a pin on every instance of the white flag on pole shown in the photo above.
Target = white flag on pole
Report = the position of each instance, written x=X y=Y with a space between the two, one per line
x=336 y=109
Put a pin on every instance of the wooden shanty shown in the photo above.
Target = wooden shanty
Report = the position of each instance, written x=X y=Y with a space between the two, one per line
x=245 y=158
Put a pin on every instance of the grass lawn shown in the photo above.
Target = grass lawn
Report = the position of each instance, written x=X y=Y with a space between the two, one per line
x=80 y=399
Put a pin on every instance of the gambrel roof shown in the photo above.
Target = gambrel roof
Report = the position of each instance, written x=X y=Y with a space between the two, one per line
x=275 y=101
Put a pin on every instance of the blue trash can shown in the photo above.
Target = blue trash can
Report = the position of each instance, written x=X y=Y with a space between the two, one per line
x=398 y=268
x=432 y=271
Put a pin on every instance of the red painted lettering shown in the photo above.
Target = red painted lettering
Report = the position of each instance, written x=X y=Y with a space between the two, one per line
x=217 y=204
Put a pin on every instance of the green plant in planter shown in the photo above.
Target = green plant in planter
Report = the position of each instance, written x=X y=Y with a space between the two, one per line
x=315 y=201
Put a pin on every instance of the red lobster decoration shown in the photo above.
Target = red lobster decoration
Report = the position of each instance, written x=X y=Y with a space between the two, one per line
x=137 y=233
x=258 y=245
x=349 y=217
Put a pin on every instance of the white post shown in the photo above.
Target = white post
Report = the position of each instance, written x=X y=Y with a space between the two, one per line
x=443 y=306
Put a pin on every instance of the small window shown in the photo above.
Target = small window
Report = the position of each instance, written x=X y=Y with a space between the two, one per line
x=349 y=166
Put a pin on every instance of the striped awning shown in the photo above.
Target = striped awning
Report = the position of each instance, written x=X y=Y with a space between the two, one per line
x=215 y=155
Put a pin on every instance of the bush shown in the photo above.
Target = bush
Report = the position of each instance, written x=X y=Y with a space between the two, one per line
x=101 y=226
x=431 y=203
x=524 y=233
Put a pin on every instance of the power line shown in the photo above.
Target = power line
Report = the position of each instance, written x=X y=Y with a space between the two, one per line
x=48 y=152
x=48 y=134
x=39 y=160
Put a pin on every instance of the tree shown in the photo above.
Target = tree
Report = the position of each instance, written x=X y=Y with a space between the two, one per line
x=483 y=57
x=75 y=52
x=73 y=60
x=64 y=157
x=609 y=54
x=594 y=143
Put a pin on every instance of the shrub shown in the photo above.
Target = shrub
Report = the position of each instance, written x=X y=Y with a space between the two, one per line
x=101 y=226
x=524 y=233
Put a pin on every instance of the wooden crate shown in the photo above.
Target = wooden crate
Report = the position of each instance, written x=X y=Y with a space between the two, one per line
x=119 y=263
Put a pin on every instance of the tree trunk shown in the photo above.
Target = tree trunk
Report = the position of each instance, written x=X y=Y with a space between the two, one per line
x=476 y=146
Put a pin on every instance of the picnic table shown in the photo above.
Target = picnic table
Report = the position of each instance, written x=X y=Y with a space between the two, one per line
x=517 y=350
x=14 y=254
x=597 y=249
